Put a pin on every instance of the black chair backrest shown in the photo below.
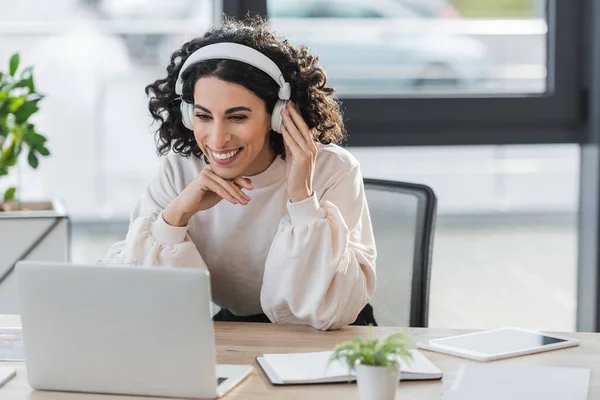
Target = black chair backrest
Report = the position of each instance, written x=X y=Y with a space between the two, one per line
x=403 y=218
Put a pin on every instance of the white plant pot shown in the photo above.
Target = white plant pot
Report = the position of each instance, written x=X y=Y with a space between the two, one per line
x=377 y=383
x=39 y=233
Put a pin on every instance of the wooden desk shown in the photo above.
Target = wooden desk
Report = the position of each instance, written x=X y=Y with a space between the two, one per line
x=240 y=343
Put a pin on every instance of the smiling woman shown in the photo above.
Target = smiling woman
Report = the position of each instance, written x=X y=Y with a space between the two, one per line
x=256 y=189
x=232 y=137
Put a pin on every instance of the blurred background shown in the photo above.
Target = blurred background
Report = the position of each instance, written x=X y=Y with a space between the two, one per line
x=507 y=214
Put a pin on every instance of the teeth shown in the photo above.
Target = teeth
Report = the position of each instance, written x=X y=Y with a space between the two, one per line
x=225 y=156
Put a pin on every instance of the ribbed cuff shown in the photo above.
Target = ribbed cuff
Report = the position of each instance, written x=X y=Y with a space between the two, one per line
x=166 y=233
x=305 y=211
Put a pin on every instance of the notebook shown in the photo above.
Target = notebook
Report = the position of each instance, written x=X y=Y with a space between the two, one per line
x=311 y=368
x=519 y=382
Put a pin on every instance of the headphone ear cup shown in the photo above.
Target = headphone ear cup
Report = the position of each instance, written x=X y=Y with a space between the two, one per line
x=276 y=118
x=187 y=115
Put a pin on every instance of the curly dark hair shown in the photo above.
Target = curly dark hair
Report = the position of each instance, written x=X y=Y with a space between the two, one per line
x=317 y=102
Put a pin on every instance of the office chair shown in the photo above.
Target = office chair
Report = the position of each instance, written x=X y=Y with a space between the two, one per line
x=403 y=218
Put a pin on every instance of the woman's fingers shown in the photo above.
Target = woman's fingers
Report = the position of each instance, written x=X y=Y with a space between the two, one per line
x=238 y=189
x=298 y=129
x=301 y=125
x=243 y=182
x=291 y=146
x=298 y=120
x=240 y=181
x=220 y=190
x=231 y=188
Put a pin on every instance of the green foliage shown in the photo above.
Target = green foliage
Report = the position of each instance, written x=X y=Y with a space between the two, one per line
x=9 y=195
x=374 y=352
x=18 y=103
x=14 y=64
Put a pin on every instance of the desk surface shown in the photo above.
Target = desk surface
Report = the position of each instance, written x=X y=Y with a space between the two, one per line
x=240 y=343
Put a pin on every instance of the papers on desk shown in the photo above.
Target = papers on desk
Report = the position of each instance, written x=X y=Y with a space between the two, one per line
x=519 y=382
x=311 y=368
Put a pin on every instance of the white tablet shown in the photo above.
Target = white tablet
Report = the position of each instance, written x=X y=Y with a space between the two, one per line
x=498 y=343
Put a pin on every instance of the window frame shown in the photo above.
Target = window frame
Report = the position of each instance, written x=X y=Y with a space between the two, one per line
x=588 y=273
x=553 y=117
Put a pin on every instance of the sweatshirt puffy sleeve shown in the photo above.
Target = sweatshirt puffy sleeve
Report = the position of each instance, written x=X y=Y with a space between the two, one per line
x=150 y=240
x=321 y=266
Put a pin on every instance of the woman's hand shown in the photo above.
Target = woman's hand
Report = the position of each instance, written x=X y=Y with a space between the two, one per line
x=300 y=153
x=204 y=192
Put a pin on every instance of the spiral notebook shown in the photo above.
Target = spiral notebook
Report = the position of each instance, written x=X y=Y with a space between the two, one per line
x=311 y=368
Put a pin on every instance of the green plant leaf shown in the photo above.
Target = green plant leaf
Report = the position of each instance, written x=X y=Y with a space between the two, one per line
x=7 y=153
x=33 y=160
x=374 y=352
x=14 y=103
x=43 y=150
x=10 y=122
x=9 y=195
x=34 y=96
x=27 y=80
x=33 y=138
x=26 y=110
x=3 y=103
x=14 y=64
x=27 y=72
x=26 y=83
x=12 y=161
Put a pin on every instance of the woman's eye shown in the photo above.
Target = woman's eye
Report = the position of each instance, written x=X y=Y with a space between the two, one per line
x=238 y=118
x=202 y=117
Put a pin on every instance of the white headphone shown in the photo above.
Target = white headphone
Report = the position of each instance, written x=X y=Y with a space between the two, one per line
x=237 y=52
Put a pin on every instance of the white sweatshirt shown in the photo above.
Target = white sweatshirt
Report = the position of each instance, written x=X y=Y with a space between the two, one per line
x=310 y=262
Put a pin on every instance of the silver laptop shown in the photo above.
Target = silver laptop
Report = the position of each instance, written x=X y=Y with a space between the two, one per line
x=122 y=330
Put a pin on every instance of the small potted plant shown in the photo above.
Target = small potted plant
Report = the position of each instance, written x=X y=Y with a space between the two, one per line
x=376 y=363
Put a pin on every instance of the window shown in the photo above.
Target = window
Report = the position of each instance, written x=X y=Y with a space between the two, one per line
x=396 y=47
x=336 y=10
x=505 y=247
x=494 y=72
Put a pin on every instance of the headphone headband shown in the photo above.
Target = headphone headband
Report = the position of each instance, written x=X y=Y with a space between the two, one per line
x=237 y=52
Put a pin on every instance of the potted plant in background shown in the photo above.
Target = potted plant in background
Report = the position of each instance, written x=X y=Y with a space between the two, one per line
x=28 y=230
x=18 y=102
x=376 y=363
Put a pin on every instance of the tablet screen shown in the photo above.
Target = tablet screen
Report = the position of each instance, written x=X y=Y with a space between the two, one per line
x=499 y=341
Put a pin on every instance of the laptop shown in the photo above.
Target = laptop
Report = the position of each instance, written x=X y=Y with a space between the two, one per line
x=122 y=330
